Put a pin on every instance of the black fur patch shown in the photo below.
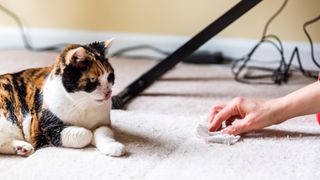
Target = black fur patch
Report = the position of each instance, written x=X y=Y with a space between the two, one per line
x=70 y=78
x=38 y=101
x=51 y=127
x=41 y=141
x=90 y=86
x=111 y=78
x=10 y=106
x=57 y=71
x=20 y=87
x=8 y=88
x=98 y=49
x=97 y=46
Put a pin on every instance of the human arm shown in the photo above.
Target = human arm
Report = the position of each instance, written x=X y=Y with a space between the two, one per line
x=257 y=114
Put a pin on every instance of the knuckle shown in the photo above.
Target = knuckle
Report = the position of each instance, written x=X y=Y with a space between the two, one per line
x=218 y=117
x=238 y=100
x=237 y=130
x=215 y=107
x=248 y=124
x=233 y=130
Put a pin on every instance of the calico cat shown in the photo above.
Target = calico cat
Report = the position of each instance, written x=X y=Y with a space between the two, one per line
x=65 y=105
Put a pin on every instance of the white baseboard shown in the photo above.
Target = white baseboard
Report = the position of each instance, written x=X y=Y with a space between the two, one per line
x=231 y=47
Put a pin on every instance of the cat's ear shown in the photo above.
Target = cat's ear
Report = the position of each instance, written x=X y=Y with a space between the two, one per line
x=75 y=56
x=107 y=45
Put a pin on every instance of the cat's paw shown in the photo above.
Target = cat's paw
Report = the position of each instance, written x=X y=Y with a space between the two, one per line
x=23 y=148
x=75 y=137
x=113 y=148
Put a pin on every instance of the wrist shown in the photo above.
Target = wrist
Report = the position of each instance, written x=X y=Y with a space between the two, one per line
x=279 y=110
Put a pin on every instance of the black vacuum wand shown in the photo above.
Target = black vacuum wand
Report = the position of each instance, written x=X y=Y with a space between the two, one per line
x=184 y=51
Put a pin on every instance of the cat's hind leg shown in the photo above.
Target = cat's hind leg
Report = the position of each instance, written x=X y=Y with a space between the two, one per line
x=17 y=147
x=12 y=140
x=75 y=137
x=104 y=141
x=22 y=148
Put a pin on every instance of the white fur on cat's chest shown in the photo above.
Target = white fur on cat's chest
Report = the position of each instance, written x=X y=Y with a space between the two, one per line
x=79 y=110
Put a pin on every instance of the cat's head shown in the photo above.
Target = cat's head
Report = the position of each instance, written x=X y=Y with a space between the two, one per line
x=85 y=70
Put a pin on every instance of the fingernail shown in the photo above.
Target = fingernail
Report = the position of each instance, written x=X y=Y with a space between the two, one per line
x=211 y=129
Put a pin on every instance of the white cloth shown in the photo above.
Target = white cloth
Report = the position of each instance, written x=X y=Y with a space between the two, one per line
x=215 y=137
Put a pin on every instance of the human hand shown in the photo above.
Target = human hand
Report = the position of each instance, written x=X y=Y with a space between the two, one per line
x=254 y=114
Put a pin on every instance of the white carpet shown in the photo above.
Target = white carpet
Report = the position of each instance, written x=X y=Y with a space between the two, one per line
x=158 y=130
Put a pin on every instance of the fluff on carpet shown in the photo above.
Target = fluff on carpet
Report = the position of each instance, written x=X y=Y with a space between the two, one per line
x=158 y=131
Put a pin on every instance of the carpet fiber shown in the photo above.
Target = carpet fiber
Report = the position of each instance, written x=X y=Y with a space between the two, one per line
x=158 y=129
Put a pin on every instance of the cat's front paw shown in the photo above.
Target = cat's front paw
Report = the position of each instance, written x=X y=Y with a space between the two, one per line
x=23 y=149
x=75 y=137
x=113 y=148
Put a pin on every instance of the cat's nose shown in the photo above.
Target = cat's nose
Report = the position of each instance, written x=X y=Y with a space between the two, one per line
x=108 y=92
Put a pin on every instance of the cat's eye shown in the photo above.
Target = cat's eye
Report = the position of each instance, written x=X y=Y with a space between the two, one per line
x=93 y=79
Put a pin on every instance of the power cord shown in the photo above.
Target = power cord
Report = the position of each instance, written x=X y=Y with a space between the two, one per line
x=24 y=36
x=198 y=57
x=282 y=73
x=122 y=52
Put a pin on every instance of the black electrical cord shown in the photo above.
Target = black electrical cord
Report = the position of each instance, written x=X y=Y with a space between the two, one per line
x=282 y=73
x=237 y=68
x=26 y=41
x=122 y=52
x=18 y=21
x=309 y=38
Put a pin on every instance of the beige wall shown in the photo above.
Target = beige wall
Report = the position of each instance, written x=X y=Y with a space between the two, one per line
x=174 y=17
